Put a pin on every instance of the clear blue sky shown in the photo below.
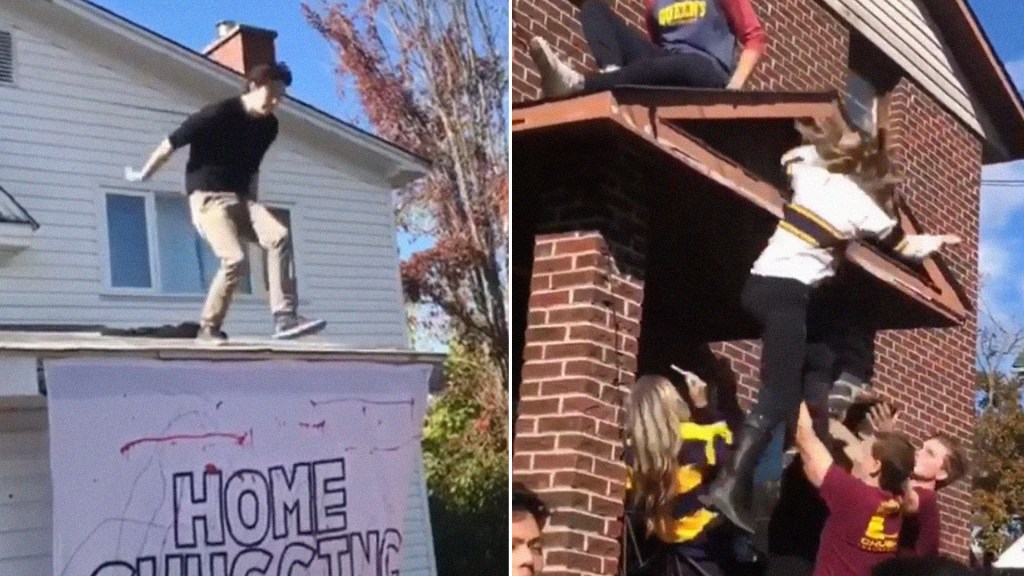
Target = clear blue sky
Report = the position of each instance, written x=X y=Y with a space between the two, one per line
x=1002 y=208
x=192 y=23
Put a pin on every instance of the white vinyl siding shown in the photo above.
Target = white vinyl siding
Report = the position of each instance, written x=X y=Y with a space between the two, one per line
x=903 y=30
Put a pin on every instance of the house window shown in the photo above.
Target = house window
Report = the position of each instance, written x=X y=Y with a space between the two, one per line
x=153 y=247
x=871 y=78
x=862 y=102
x=128 y=242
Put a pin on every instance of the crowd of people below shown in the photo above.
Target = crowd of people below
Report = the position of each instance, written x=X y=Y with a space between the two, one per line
x=865 y=505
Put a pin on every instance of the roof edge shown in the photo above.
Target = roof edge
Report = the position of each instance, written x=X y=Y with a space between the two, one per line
x=991 y=85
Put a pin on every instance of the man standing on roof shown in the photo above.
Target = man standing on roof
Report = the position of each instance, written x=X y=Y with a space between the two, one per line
x=692 y=44
x=228 y=140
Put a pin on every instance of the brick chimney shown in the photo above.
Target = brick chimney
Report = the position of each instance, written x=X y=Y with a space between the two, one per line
x=242 y=47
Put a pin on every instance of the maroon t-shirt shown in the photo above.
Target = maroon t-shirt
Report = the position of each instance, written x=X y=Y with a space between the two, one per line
x=920 y=533
x=862 y=529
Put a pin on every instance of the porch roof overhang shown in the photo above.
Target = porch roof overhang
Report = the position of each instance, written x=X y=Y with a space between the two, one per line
x=668 y=120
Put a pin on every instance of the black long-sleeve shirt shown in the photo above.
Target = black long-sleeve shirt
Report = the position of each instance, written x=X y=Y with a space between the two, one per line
x=227 y=146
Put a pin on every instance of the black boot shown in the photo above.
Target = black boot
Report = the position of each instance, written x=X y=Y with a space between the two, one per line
x=730 y=493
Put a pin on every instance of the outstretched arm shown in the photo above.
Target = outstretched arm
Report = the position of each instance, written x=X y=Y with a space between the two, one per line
x=815 y=456
x=201 y=122
x=917 y=247
x=158 y=158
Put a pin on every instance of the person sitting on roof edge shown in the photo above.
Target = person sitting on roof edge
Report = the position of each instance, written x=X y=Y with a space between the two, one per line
x=692 y=44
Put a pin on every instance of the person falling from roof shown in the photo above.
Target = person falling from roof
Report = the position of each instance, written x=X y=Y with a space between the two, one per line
x=865 y=506
x=227 y=141
x=692 y=43
x=842 y=190
x=670 y=456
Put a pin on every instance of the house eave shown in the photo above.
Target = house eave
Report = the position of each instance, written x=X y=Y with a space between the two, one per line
x=990 y=83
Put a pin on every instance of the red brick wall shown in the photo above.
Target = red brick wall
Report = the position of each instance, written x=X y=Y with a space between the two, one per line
x=929 y=372
x=580 y=356
x=807 y=47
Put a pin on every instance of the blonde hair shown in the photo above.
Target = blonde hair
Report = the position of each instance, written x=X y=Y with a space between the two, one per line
x=860 y=156
x=654 y=412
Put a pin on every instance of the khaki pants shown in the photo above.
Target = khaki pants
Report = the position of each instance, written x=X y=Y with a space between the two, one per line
x=228 y=223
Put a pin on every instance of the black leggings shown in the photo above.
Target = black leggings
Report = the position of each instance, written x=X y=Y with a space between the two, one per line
x=793 y=367
x=613 y=43
x=848 y=333
x=808 y=339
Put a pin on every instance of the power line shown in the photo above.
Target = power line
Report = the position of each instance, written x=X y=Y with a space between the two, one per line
x=1003 y=183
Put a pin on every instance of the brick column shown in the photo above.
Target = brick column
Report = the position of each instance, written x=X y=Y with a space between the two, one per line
x=580 y=355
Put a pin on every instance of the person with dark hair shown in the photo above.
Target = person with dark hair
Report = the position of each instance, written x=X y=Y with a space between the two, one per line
x=528 y=516
x=930 y=566
x=228 y=140
x=939 y=462
x=691 y=43
x=866 y=505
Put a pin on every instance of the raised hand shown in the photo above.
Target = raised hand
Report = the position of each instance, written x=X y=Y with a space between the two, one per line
x=133 y=175
x=695 y=387
x=883 y=417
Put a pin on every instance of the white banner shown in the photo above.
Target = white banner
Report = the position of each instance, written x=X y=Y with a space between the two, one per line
x=227 y=468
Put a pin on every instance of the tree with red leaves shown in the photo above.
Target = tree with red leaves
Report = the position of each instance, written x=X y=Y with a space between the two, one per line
x=431 y=78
